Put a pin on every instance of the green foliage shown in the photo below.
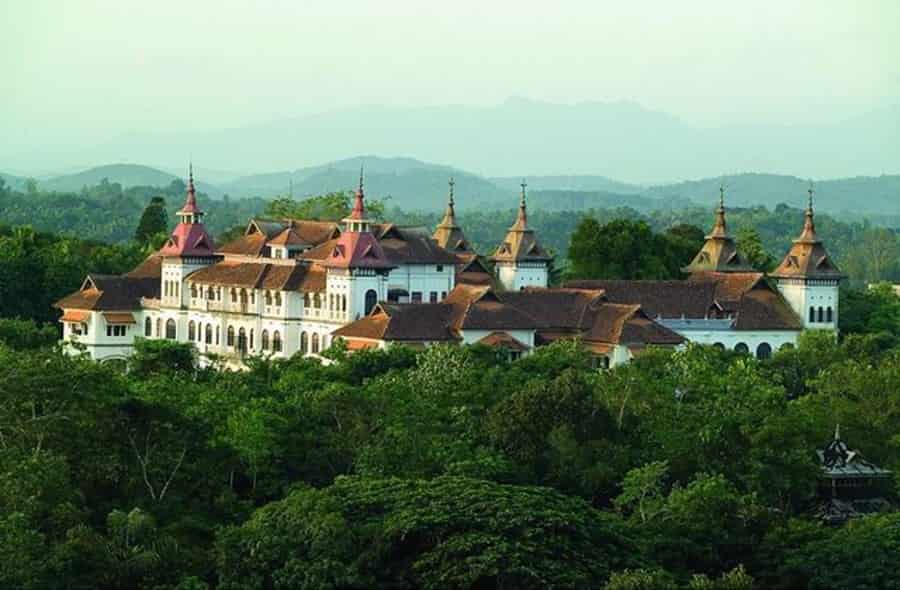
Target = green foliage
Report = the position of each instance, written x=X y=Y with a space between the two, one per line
x=153 y=221
x=24 y=334
x=328 y=207
x=158 y=356
x=621 y=249
x=441 y=533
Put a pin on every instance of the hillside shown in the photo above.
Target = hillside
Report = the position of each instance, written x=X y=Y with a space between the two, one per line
x=12 y=181
x=866 y=195
x=572 y=182
x=410 y=184
x=128 y=175
x=618 y=139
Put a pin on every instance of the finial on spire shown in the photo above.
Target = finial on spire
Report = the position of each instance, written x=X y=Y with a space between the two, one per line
x=522 y=199
x=451 y=183
x=360 y=179
x=811 y=191
x=722 y=195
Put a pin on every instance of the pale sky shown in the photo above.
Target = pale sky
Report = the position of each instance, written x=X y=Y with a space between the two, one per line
x=80 y=72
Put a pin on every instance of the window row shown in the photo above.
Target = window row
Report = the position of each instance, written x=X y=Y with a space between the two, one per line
x=821 y=315
x=241 y=338
x=171 y=288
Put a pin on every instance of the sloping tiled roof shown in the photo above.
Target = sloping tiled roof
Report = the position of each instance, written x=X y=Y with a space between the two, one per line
x=420 y=322
x=282 y=232
x=254 y=275
x=719 y=252
x=151 y=267
x=503 y=340
x=520 y=243
x=111 y=293
x=400 y=246
x=807 y=258
x=665 y=299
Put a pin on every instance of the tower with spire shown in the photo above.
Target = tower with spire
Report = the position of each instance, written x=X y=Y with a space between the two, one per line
x=448 y=234
x=719 y=252
x=520 y=260
x=357 y=265
x=808 y=278
x=188 y=248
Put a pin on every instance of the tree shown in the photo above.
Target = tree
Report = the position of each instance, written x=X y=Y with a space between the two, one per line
x=154 y=220
x=621 y=249
x=750 y=245
x=449 y=532
x=332 y=206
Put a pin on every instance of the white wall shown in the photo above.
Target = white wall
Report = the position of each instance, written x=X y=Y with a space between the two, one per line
x=515 y=277
x=801 y=295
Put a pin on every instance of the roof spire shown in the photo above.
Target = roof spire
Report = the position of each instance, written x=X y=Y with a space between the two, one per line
x=522 y=219
x=720 y=228
x=450 y=200
x=809 y=225
x=359 y=208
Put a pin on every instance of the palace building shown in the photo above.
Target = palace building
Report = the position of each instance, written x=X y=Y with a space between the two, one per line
x=292 y=286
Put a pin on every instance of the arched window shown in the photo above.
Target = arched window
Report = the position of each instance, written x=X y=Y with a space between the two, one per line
x=265 y=340
x=277 y=298
x=243 y=296
x=276 y=341
x=306 y=300
x=251 y=338
x=233 y=296
x=304 y=342
x=821 y=315
x=242 y=340
x=719 y=345
x=229 y=338
x=371 y=300
x=741 y=348
x=192 y=330
x=330 y=302
x=218 y=332
x=210 y=294
x=148 y=327
x=158 y=328
x=199 y=331
x=193 y=291
x=343 y=303
x=209 y=333
x=268 y=298
x=786 y=346
x=829 y=315
x=812 y=314
x=315 y=343
x=317 y=301
x=171 y=332
x=763 y=351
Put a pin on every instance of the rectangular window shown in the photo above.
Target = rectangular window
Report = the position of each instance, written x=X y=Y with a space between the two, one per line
x=416 y=297
x=432 y=297
x=443 y=295
x=440 y=268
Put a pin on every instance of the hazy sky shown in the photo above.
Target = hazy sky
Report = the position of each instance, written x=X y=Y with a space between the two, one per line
x=79 y=72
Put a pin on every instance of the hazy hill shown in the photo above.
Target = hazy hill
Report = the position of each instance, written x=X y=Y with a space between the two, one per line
x=574 y=182
x=127 y=175
x=411 y=184
x=621 y=140
x=15 y=182
x=863 y=194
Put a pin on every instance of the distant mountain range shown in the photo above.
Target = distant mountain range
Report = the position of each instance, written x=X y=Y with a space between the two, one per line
x=415 y=185
x=621 y=140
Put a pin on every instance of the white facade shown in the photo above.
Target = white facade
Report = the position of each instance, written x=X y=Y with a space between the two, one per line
x=815 y=301
x=102 y=340
x=515 y=276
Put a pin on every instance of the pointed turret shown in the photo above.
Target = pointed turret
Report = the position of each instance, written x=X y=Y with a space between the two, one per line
x=807 y=258
x=189 y=238
x=719 y=253
x=807 y=277
x=521 y=261
x=448 y=234
x=357 y=247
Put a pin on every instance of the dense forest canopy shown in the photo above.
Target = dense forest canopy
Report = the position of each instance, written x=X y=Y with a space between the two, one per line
x=445 y=468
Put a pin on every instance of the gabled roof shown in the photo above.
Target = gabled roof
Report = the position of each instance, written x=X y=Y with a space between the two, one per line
x=807 y=258
x=401 y=245
x=110 y=293
x=189 y=238
x=471 y=270
x=280 y=232
x=838 y=461
x=503 y=340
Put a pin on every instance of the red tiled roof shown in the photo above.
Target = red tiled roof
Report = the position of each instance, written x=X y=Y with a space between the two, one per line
x=503 y=340
x=279 y=277
x=109 y=292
